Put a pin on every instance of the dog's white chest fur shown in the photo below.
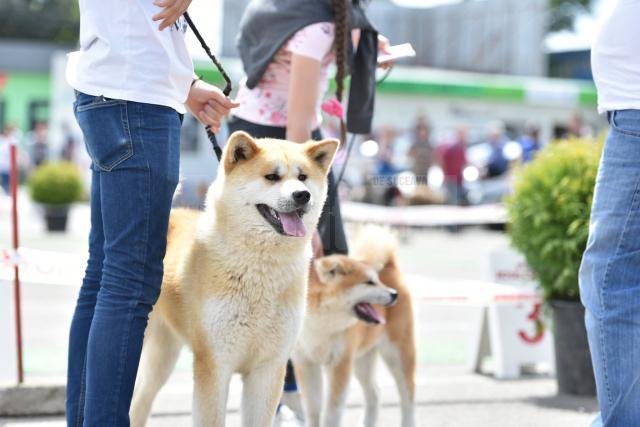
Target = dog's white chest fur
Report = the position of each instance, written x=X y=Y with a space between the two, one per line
x=255 y=312
x=317 y=331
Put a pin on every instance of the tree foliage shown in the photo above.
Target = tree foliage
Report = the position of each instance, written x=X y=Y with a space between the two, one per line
x=562 y=13
x=52 y=20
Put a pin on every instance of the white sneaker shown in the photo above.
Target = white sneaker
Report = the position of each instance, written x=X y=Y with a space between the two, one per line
x=293 y=401
x=286 y=418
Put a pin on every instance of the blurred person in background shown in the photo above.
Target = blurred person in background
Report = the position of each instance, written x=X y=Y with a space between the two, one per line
x=8 y=137
x=497 y=164
x=385 y=167
x=610 y=270
x=38 y=143
x=576 y=127
x=421 y=150
x=453 y=160
x=530 y=142
x=69 y=144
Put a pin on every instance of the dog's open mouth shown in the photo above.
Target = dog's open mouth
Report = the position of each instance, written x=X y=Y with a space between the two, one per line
x=285 y=223
x=365 y=312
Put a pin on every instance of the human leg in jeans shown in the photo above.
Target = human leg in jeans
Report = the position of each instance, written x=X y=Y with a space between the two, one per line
x=610 y=274
x=4 y=182
x=134 y=148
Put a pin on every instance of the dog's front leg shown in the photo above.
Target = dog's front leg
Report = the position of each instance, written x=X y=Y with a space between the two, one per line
x=309 y=376
x=211 y=389
x=401 y=362
x=339 y=377
x=261 y=392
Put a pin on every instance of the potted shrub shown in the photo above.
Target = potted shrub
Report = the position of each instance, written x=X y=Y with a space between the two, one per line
x=549 y=223
x=55 y=186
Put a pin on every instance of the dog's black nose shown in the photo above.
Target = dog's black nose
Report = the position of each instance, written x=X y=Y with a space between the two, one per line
x=394 y=297
x=301 y=197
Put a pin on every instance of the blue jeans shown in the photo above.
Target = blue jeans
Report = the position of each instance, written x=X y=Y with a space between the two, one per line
x=5 y=181
x=134 y=149
x=610 y=274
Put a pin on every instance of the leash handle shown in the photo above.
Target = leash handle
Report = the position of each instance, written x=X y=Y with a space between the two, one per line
x=214 y=142
x=227 y=89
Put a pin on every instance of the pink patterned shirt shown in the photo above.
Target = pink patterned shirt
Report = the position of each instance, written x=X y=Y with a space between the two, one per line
x=266 y=104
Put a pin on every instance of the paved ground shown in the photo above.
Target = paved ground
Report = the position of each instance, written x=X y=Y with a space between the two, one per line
x=448 y=395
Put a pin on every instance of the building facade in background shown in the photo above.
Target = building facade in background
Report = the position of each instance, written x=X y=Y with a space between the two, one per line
x=488 y=36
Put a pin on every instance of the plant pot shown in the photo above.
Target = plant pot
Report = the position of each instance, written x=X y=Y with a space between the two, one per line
x=574 y=371
x=56 y=217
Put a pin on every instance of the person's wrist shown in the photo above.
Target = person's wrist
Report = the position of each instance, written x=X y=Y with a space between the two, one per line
x=194 y=81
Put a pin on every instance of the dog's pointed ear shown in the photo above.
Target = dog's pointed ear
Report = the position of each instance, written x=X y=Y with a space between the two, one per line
x=328 y=268
x=322 y=152
x=239 y=148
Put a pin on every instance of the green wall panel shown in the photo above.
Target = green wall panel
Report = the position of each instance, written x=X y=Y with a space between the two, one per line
x=19 y=91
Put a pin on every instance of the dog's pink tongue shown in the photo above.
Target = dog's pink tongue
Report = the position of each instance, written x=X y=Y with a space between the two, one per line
x=373 y=313
x=292 y=224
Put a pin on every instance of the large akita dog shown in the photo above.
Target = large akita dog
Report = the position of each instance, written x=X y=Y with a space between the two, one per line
x=235 y=279
x=343 y=291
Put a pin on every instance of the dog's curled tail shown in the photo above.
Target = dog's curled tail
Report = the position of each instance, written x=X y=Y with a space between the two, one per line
x=376 y=245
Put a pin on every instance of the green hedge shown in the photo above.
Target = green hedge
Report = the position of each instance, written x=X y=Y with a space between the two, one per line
x=549 y=213
x=56 y=184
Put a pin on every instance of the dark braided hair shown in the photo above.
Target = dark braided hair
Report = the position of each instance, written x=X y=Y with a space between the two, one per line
x=340 y=43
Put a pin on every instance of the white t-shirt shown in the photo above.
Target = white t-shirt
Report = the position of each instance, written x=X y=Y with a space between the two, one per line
x=123 y=55
x=615 y=58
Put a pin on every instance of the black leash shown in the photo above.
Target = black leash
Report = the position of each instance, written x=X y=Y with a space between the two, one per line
x=352 y=140
x=227 y=88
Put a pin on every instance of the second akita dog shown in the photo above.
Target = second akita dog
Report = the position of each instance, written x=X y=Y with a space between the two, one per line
x=342 y=291
x=235 y=279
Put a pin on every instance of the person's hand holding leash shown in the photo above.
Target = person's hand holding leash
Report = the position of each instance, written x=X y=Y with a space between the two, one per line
x=208 y=104
x=171 y=11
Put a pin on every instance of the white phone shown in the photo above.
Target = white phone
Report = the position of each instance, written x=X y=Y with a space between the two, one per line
x=398 y=51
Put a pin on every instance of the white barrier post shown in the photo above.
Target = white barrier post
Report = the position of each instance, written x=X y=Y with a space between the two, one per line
x=8 y=360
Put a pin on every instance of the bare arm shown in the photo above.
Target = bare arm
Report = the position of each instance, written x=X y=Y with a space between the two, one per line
x=302 y=98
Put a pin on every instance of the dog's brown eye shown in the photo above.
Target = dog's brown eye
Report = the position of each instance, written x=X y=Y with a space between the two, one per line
x=272 y=177
x=302 y=177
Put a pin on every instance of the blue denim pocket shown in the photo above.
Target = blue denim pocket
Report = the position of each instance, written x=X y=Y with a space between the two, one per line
x=626 y=122
x=105 y=125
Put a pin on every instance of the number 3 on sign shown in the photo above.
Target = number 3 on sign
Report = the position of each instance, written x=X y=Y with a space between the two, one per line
x=534 y=316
